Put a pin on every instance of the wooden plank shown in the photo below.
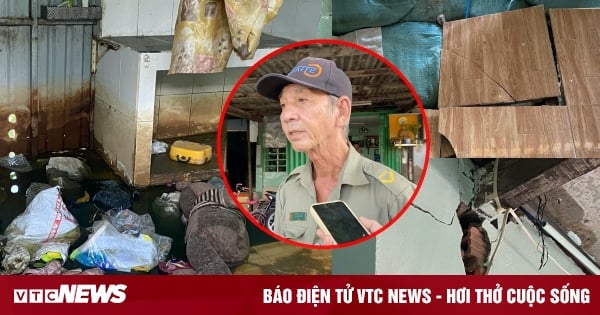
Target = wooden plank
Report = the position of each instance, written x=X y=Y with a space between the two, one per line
x=508 y=131
x=585 y=125
x=434 y=137
x=497 y=58
x=577 y=42
x=520 y=181
x=446 y=149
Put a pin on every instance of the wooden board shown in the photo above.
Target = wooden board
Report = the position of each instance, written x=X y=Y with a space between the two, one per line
x=585 y=124
x=434 y=138
x=508 y=131
x=523 y=180
x=280 y=258
x=497 y=58
x=440 y=146
x=577 y=41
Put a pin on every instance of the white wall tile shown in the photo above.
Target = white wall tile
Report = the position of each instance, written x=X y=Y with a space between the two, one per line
x=176 y=84
x=209 y=82
x=232 y=75
x=129 y=83
x=297 y=20
x=108 y=77
x=124 y=143
x=148 y=83
x=174 y=116
x=174 y=15
x=155 y=17
x=205 y=112
x=100 y=118
x=119 y=18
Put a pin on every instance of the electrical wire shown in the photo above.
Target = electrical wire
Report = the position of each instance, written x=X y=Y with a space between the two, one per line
x=498 y=241
x=499 y=209
x=540 y=211
x=520 y=223
x=540 y=218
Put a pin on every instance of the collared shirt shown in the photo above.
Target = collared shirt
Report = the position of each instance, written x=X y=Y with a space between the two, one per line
x=370 y=189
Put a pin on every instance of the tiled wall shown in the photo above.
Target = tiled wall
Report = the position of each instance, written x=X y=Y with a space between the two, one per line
x=150 y=17
x=157 y=17
x=187 y=104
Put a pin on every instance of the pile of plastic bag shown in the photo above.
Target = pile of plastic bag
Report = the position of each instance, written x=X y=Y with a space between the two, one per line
x=44 y=231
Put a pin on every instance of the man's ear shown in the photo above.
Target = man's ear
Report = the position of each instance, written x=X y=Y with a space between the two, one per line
x=344 y=109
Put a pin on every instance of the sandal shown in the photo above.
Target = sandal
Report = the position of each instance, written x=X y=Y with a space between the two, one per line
x=173 y=264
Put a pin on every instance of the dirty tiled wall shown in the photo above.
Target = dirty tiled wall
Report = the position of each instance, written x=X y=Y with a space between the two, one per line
x=187 y=104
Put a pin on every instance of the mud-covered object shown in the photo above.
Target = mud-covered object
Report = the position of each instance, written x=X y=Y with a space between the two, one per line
x=16 y=259
x=216 y=235
x=55 y=268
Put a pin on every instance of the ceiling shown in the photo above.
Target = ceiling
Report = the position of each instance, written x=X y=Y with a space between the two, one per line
x=375 y=86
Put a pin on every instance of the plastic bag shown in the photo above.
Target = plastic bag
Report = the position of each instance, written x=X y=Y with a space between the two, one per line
x=163 y=244
x=33 y=190
x=45 y=218
x=16 y=162
x=166 y=215
x=73 y=167
x=159 y=147
x=112 y=197
x=50 y=251
x=108 y=249
x=129 y=222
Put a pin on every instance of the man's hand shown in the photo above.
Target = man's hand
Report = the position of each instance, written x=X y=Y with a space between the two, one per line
x=371 y=225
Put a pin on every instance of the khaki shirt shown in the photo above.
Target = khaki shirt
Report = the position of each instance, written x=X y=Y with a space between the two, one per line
x=370 y=189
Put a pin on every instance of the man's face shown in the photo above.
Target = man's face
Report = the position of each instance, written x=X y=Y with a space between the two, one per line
x=307 y=117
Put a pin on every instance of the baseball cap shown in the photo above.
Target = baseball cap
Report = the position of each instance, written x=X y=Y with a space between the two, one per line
x=318 y=73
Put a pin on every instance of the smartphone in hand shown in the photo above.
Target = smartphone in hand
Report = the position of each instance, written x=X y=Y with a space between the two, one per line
x=335 y=218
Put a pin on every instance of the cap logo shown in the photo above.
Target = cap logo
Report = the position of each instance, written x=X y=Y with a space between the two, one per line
x=311 y=70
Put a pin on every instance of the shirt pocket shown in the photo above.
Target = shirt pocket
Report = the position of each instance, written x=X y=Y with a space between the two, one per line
x=294 y=231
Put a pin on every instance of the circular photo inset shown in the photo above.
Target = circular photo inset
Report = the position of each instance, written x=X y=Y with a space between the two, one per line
x=323 y=144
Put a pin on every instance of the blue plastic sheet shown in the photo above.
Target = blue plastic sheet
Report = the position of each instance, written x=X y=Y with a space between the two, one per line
x=414 y=47
x=556 y=4
x=429 y=10
x=350 y=15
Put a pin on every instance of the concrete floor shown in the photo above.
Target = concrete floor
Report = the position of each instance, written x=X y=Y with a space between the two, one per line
x=278 y=258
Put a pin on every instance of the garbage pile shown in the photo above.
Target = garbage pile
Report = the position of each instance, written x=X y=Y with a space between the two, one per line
x=64 y=227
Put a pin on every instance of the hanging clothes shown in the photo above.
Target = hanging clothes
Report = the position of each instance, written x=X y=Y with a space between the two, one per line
x=203 y=38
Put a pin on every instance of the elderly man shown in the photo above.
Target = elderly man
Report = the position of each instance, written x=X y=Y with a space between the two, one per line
x=316 y=102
